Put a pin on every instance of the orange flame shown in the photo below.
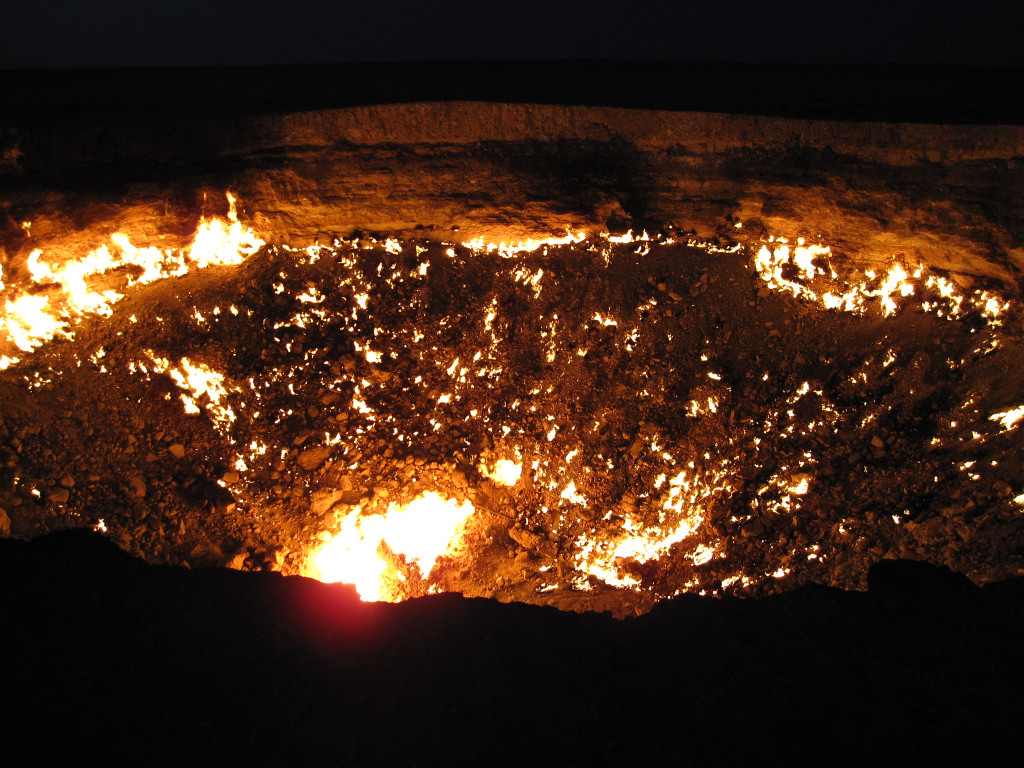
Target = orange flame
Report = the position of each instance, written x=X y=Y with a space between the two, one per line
x=30 y=320
x=422 y=531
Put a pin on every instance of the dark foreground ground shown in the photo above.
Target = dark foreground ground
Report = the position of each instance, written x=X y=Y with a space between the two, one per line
x=893 y=93
x=104 y=656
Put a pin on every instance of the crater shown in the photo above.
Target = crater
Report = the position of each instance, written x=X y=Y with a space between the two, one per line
x=591 y=358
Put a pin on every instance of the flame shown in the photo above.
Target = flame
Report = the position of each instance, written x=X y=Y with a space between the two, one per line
x=197 y=380
x=597 y=559
x=27 y=322
x=379 y=550
x=798 y=271
x=506 y=472
x=629 y=237
x=571 y=495
x=215 y=244
x=510 y=250
x=421 y=531
x=32 y=320
x=1009 y=418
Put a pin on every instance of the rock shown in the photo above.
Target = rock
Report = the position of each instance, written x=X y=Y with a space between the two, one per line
x=313 y=458
x=67 y=481
x=58 y=495
x=223 y=500
x=352 y=497
x=5 y=523
x=136 y=486
x=526 y=539
x=753 y=528
x=237 y=562
x=930 y=531
x=230 y=478
x=323 y=500
x=177 y=451
x=548 y=549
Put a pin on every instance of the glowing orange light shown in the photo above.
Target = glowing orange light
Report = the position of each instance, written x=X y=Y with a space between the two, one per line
x=506 y=472
x=31 y=320
x=422 y=531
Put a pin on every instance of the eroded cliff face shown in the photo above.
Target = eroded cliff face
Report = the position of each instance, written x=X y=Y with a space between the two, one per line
x=946 y=196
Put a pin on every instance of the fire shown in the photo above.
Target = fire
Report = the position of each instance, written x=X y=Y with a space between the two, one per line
x=197 y=380
x=421 y=531
x=217 y=244
x=27 y=322
x=604 y=560
x=1009 y=418
x=31 y=320
x=678 y=492
x=805 y=270
x=511 y=250
x=506 y=472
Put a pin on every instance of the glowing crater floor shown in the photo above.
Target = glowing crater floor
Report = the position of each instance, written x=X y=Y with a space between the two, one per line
x=617 y=420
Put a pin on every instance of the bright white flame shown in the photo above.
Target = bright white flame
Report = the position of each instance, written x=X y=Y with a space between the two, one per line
x=27 y=322
x=526 y=246
x=771 y=265
x=421 y=531
x=1009 y=418
x=31 y=320
x=570 y=494
x=506 y=472
x=215 y=244
x=197 y=380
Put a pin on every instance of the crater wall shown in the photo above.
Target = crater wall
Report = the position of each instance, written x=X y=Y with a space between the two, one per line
x=946 y=195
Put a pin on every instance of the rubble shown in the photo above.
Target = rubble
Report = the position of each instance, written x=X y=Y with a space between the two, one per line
x=794 y=451
x=722 y=432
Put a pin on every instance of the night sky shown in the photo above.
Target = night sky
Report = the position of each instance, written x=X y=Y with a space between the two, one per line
x=105 y=33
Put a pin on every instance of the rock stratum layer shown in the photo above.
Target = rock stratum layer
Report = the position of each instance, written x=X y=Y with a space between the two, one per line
x=944 y=195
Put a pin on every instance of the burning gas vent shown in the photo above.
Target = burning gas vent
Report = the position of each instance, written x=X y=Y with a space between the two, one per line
x=592 y=421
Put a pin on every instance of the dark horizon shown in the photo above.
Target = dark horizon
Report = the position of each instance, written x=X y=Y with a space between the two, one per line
x=907 y=92
x=116 y=33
